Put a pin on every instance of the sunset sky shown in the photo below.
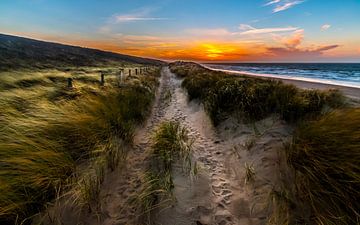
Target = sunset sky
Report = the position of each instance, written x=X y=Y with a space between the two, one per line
x=201 y=30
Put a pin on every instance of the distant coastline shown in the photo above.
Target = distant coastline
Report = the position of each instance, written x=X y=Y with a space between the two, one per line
x=349 y=89
x=296 y=72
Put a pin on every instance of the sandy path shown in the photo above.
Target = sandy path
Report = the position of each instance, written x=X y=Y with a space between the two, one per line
x=220 y=195
x=125 y=182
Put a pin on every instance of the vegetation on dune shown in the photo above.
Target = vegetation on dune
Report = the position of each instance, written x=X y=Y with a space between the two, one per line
x=46 y=130
x=325 y=156
x=224 y=95
x=171 y=144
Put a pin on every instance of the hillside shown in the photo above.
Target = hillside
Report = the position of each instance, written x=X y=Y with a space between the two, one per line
x=18 y=52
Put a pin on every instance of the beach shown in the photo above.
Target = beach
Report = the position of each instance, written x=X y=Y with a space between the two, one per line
x=349 y=91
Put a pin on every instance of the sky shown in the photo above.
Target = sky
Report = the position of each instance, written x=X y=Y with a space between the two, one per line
x=198 y=30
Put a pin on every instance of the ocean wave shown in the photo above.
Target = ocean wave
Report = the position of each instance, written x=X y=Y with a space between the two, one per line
x=347 y=78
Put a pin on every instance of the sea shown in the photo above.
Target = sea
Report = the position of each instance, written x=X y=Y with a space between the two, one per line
x=344 y=74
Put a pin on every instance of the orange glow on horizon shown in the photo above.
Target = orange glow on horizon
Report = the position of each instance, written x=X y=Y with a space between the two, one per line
x=206 y=50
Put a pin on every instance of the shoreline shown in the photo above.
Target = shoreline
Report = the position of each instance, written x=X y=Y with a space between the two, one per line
x=349 y=91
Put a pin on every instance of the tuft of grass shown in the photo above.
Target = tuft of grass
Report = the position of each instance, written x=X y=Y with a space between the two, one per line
x=171 y=144
x=283 y=205
x=155 y=193
x=249 y=173
x=250 y=143
x=325 y=156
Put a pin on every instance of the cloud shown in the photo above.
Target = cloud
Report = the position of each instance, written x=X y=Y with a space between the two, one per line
x=306 y=54
x=142 y=14
x=246 y=27
x=325 y=27
x=292 y=49
x=243 y=30
x=120 y=19
x=272 y=2
x=294 y=40
x=326 y=48
x=209 y=32
x=282 y=5
x=251 y=30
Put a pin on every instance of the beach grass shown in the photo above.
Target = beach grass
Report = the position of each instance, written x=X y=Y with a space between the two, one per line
x=48 y=130
x=250 y=98
x=171 y=144
x=325 y=157
x=321 y=179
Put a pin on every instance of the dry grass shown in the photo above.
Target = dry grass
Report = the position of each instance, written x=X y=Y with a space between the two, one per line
x=171 y=144
x=249 y=173
x=48 y=129
x=325 y=156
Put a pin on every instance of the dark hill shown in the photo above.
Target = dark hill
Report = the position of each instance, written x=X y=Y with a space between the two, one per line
x=18 y=52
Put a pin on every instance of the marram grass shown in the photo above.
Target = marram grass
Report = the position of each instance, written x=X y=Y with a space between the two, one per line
x=325 y=155
x=171 y=144
x=249 y=98
x=45 y=134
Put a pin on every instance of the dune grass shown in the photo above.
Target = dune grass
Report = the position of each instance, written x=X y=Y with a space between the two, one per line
x=251 y=98
x=47 y=130
x=325 y=156
x=170 y=144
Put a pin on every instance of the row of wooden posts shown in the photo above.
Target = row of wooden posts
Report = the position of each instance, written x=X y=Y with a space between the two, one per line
x=120 y=75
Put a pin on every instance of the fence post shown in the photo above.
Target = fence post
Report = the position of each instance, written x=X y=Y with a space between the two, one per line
x=121 y=78
x=136 y=71
x=129 y=72
x=69 y=82
x=102 y=79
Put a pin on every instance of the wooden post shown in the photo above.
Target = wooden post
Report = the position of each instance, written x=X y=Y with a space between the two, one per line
x=121 y=78
x=129 y=72
x=102 y=79
x=69 y=83
x=136 y=71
